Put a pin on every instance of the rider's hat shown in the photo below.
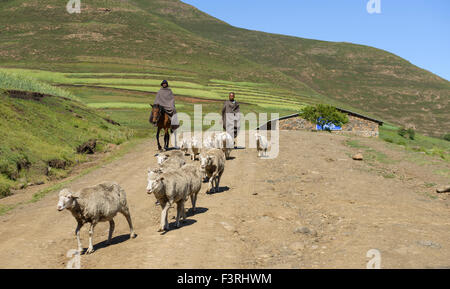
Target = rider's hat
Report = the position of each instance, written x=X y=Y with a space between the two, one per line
x=164 y=81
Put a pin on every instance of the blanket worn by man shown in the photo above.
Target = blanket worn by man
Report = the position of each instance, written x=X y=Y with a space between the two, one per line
x=166 y=99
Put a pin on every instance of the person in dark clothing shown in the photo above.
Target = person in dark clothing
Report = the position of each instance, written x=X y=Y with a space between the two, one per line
x=231 y=115
x=166 y=99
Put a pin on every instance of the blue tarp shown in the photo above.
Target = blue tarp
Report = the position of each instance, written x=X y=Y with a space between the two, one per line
x=329 y=126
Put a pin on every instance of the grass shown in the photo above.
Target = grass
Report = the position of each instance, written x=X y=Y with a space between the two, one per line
x=15 y=81
x=115 y=155
x=428 y=145
x=35 y=132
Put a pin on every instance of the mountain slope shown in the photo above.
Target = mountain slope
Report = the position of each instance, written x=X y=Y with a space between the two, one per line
x=38 y=131
x=171 y=34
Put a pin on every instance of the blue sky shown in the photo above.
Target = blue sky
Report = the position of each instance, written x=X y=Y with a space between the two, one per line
x=417 y=30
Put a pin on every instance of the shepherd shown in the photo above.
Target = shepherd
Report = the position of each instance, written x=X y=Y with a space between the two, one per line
x=164 y=114
x=231 y=116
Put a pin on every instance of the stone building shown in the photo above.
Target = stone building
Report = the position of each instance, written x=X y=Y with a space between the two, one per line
x=358 y=124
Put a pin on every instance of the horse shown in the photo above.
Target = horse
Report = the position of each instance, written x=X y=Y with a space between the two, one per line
x=161 y=119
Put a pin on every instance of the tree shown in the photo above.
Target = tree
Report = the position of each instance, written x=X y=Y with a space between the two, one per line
x=324 y=115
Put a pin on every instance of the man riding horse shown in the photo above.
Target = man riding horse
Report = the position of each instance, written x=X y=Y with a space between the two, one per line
x=164 y=114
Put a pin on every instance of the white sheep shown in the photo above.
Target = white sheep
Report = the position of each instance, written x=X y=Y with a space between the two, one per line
x=191 y=147
x=225 y=142
x=195 y=148
x=169 y=188
x=262 y=145
x=212 y=164
x=96 y=204
x=194 y=176
x=163 y=157
x=209 y=141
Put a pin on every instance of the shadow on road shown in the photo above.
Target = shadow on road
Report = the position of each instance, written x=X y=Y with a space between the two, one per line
x=221 y=190
x=114 y=241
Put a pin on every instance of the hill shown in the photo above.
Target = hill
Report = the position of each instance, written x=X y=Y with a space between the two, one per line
x=40 y=133
x=174 y=38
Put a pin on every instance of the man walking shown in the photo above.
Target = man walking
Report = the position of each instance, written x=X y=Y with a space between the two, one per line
x=231 y=116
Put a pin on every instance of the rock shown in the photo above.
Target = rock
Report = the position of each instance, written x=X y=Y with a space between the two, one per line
x=444 y=190
x=430 y=244
x=305 y=231
x=255 y=194
x=358 y=157
x=228 y=227
x=297 y=246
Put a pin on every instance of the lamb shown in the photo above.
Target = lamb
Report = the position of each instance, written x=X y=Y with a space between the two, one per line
x=262 y=145
x=185 y=146
x=225 y=142
x=195 y=148
x=96 y=204
x=169 y=188
x=212 y=163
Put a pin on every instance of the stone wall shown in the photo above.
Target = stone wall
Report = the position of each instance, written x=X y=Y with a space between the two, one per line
x=356 y=125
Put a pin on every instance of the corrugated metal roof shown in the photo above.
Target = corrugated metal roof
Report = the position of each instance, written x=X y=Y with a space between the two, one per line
x=267 y=125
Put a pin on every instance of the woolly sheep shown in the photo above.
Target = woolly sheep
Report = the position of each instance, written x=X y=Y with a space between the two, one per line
x=162 y=157
x=212 y=164
x=209 y=141
x=262 y=145
x=194 y=176
x=225 y=142
x=96 y=204
x=169 y=188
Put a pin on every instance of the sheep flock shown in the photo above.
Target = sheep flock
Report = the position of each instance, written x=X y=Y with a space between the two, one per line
x=173 y=182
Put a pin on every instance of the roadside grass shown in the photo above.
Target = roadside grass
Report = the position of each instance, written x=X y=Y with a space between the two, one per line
x=428 y=145
x=115 y=155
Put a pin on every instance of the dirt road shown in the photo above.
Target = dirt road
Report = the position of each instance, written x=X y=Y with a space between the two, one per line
x=312 y=207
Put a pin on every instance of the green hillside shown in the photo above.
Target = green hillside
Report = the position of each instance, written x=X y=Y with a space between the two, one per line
x=131 y=45
x=39 y=131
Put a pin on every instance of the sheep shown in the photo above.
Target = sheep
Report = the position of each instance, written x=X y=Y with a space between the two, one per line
x=191 y=147
x=225 y=142
x=185 y=145
x=209 y=141
x=262 y=145
x=169 y=188
x=96 y=204
x=195 y=148
x=162 y=157
x=194 y=175
x=212 y=163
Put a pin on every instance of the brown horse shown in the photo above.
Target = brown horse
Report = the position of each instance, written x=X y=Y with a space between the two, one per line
x=161 y=119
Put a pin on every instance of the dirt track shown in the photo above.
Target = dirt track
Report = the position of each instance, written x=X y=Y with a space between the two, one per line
x=312 y=207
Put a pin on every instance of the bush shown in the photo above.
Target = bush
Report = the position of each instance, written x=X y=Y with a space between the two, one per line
x=446 y=137
x=323 y=115
x=403 y=132
x=411 y=133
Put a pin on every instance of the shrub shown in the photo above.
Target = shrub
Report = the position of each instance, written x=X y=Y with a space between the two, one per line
x=446 y=137
x=403 y=132
x=323 y=115
x=411 y=133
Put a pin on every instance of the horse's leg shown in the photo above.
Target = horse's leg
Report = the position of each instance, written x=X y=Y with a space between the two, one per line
x=157 y=138
x=166 y=131
x=166 y=138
